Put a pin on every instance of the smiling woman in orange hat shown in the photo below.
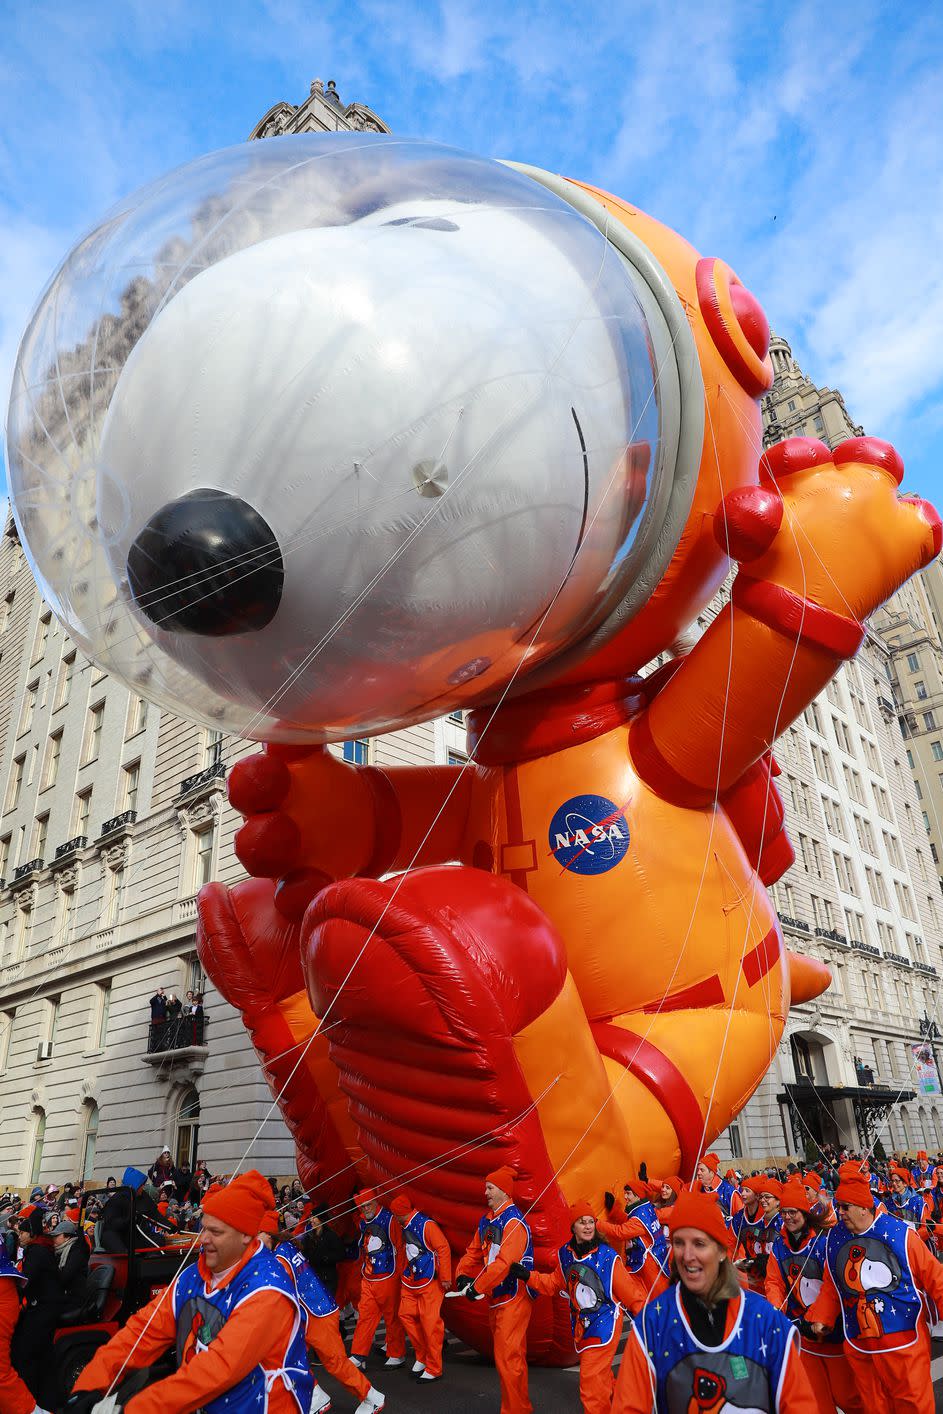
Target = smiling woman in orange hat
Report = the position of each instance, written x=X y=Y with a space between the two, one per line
x=706 y=1344
x=232 y=1318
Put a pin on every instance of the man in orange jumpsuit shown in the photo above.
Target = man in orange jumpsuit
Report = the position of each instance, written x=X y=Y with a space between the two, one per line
x=592 y=1275
x=232 y=1317
x=502 y=1239
x=876 y=1275
x=381 y=1253
x=15 y=1398
x=322 y=1322
x=427 y=1276
x=708 y=1180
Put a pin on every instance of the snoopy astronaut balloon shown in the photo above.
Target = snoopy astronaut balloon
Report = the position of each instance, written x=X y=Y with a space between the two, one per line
x=325 y=436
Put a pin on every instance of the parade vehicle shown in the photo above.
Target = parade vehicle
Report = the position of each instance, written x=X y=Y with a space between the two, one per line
x=119 y=1283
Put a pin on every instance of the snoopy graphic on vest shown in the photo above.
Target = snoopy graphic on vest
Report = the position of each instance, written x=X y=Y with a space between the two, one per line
x=709 y=1396
x=869 y=1278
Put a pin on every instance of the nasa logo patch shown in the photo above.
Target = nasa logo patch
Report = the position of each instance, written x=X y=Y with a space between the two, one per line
x=589 y=834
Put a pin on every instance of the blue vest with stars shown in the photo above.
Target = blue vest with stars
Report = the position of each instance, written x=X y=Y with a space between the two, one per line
x=490 y=1232
x=907 y=1205
x=636 y=1250
x=593 y=1308
x=9 y=1268
x=746 y=1371
x=380 y=1261
x=311 y=1292
x=880 y=1301
x=724 y=1193
x=802 y=1270
x=203 y=1314
x=421 y=1268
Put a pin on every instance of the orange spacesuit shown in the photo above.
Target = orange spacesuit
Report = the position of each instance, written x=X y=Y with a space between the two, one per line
x=607 y=926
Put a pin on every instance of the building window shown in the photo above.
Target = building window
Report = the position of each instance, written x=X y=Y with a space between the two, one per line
x=93 y=731
x=736 y=1143
x=53 y=753
x=929 y=721
x=114 y=891
x=80 y=814
x=52 y=1018
x=6 y=611
x=137 y=715
x=42 y=636
x=64 y=914
x=457 y=758
x=187 y=1129
x=91 y=1134
x=16 y=782
x=458 y=716
x=28 y=709
x=205 y=842
x=40 y=835
x=20 y=935
x=913 y=662
x=212 y=747
x=129 y=785
x=39 y=1139
x=357 y=751
x=920 y=688
x=64 y=688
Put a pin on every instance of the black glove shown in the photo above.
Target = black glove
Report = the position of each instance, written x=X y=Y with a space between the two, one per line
x=473 y=1294
x=521 y=1273
x=83 y=1401
x=643 y=1172
x=462 y=1283
x=609 y=1199
x=804 y=1328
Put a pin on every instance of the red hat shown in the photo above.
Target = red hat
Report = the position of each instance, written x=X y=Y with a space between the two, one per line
x=269 y=1223
x=855 y=1190
x=365 y=1195
x=582 y=1208
x=922 y=1154
x=402 y=1204
x=771 y=1185
x=756 y=1184
x=794 y=1196
x=242 y=1203
x=674 y=1183
x=812 y=1180
x=904 y=1174
x=503 y=1178
x=701 y=1211
x=711 y=1161
x=732 y=1176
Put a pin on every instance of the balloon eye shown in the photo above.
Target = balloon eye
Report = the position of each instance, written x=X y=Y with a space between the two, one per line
x=737 y=324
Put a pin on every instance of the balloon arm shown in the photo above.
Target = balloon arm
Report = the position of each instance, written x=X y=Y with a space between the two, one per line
x=423 y=813
x=806 y=536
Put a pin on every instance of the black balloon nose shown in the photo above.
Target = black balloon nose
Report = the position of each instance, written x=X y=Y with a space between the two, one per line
x=209 y=564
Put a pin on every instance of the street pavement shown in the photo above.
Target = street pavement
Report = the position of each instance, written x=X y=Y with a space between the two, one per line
x=470 y=1386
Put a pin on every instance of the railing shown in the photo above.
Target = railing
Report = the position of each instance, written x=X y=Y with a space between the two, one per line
x=214 y=772
x=868 y=948
x=794 y=923
x=71 y=846
x=918 y=966
x=864 y=1075
x=32 y=866
x=887 y=706
x=118 y=822
x=832 y=935
x=898 y=958
x=175 y=1035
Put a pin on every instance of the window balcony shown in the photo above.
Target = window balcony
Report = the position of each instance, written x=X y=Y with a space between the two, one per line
x=206 y=779
x=63 y=851
x=177 y=1049
x=23 y=872
x=796 y=923
x=831 y=935
x=119 y=824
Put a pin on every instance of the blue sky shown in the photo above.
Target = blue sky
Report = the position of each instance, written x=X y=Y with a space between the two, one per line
x=801 y=143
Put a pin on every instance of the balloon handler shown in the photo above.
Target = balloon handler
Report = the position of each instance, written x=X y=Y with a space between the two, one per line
x=232 y=1317
x=504 y=446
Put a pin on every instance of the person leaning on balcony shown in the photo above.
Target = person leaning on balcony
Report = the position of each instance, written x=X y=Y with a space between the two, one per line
x=158 y=1006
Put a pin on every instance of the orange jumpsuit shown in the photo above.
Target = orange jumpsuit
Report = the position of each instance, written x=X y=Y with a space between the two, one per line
x=420 y=1303
x=379 y=1297
x=15 y=1398
x=256 y=1333
x=898 y=1380
x=509 y=1318
x=621 y=1229
x=596 y=1373
x=323 y=1336
x=635 y=1387
x=829 y=1372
